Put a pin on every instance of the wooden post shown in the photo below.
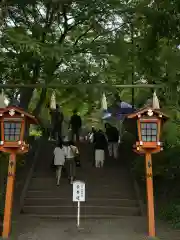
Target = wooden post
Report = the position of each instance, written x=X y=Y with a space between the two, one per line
x=9 y=196
x=150 y=195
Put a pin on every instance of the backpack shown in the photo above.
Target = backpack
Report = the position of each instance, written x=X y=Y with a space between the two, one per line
x=76 y=157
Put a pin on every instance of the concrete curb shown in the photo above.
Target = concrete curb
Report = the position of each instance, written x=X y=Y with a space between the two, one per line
x=137 y=190
x=139 y=196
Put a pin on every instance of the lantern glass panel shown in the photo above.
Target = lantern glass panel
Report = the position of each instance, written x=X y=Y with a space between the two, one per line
x=12 y=131
x=149 y=132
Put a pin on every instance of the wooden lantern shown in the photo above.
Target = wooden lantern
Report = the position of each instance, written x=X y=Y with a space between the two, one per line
x=149 y=124
x=13 y=121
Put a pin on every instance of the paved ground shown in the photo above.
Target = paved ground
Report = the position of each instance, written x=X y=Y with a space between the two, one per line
x=129 y=228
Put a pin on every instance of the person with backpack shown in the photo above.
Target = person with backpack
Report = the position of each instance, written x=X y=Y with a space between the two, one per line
x=75 y=125
x=71 y=151
x=113 y=138
x=59 y=160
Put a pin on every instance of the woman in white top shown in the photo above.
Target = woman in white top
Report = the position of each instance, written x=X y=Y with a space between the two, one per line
x=59 y=160
x=70 y=153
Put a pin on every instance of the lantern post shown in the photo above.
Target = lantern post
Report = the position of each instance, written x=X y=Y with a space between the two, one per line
x=150 y=194
x=9 y=195
x=149 y=125
x=12 y=128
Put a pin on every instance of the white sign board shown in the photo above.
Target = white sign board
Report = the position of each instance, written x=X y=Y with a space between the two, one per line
x=78 y=191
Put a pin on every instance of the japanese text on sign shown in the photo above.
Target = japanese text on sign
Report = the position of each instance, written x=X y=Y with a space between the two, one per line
x=78 y=191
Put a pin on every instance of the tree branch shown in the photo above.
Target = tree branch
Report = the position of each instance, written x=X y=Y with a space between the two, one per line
x=95 y=38
x=11 y=16
x=28 y=23
x=81 y=36
x=65 y=24
x=48 y=21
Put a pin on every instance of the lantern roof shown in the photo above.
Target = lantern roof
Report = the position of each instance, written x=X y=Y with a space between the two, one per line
x=148 y=111
x=31 y=119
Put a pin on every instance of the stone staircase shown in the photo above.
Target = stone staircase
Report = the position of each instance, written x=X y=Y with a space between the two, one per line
x=109 y=191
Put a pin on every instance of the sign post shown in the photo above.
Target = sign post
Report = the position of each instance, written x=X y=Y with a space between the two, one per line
x=78 y=215
x=78 y=196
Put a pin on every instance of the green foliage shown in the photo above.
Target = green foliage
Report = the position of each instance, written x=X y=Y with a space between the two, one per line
x=95 y=42
x=36 y=133
x=171 y=213
x=56 y=42
x=166 y=175
x=171 y=134
x=166 y=164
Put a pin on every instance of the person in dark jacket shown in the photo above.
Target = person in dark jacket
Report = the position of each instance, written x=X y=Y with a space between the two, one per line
x=100 y=144
x=57 y=119
x=113 y=138
x=75 y=125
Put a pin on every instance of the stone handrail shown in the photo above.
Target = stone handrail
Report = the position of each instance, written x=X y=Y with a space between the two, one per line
x=34 y=155
x=137 y=190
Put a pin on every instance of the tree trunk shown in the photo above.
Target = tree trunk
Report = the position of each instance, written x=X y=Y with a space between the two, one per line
x=37 y=109
x=25 y=98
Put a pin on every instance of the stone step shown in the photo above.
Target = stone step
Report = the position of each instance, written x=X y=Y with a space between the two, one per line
x=83 y=172
x=109 y=191
x=74 y=217
x=105 y=180
x=89 y=170
x=84 y=165
x=89 y=183
x=90 y=186
x=85 y=210
x=93 y=182
x=90 y=202
x=66 y=193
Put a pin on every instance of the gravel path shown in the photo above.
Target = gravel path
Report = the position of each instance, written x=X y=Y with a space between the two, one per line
x=128 y=228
